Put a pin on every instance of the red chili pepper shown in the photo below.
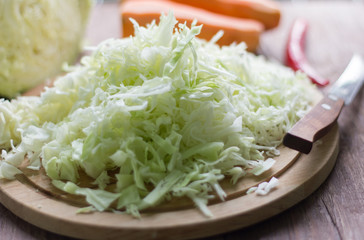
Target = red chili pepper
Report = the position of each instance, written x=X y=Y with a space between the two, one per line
x=295 y=55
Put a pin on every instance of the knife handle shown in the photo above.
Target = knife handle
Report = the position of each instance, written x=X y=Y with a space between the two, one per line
x=314 y=125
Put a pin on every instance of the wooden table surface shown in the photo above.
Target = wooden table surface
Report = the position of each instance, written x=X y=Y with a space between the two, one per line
x=336 y=209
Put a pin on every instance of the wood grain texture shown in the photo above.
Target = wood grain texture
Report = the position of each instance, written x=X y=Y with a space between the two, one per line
x=314 y=124
x=336 y=209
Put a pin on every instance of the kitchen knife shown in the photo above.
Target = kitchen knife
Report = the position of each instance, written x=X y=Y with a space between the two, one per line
x=319 y=120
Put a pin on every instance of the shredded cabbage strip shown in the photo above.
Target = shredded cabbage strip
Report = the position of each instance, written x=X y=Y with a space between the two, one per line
x=162 y=114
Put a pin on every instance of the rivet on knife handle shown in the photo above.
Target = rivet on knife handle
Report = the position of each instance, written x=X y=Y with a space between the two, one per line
x=314 y=124
x=322 y=117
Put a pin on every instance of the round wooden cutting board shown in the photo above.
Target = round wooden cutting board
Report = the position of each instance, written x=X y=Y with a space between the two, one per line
x=299 y=176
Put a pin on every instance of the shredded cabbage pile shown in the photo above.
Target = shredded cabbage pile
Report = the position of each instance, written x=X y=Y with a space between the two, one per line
x=153 y=117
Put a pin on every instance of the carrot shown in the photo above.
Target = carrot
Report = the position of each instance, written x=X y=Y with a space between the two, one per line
x=235 y=29
x=264 y=11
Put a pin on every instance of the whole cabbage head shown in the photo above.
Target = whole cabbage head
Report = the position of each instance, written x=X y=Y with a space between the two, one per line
x=36 y=38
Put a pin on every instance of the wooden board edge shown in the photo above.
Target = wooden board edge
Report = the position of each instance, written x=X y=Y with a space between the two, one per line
x=42 y=211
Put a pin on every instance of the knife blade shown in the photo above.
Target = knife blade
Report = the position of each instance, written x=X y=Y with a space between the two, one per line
x=319 y=120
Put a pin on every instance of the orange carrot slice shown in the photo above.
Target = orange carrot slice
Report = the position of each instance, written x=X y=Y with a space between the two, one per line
x=235 y=29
